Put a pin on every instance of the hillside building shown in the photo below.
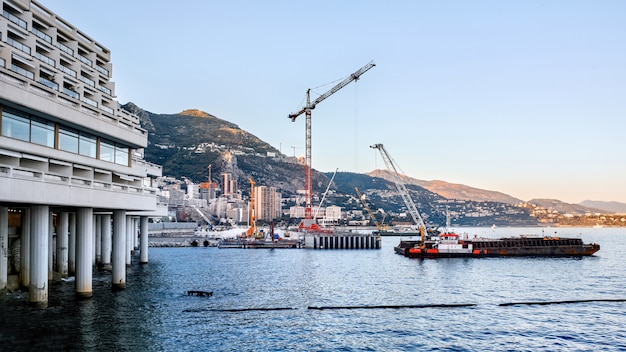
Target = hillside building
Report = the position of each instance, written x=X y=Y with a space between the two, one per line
x=72 y=174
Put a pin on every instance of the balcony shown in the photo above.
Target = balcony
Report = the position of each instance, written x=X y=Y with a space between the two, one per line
x=11 y=17
x=19 y=46
x=64 y=48
x=42 y=35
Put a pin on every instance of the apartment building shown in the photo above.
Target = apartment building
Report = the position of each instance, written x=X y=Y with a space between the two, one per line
x=67 y=151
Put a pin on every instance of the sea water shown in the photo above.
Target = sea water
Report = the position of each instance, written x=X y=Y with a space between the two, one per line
x=339 y=300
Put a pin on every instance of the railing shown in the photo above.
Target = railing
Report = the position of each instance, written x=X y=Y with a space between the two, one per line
x=49 y=83
x=41 y=35
x=11 y=17
x=88 y=81
x=89 y=101
x=71 y=93
x=22 y=71
x=65 y=48
x=104 y=90
x=85 y=60
x=102 y=70
x=17 y=45
x=67 y=70
x=45 y=59
x=48 y=177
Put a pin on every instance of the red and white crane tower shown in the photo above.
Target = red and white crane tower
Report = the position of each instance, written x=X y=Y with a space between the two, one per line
x=310 y=105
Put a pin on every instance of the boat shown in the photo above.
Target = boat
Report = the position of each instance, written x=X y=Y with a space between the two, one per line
x=452 y=245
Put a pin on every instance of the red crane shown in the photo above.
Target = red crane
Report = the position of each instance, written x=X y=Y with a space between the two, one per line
x=310 y=105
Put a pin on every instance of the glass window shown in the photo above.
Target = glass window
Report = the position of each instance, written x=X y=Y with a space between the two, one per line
x=87 y=145
x=68 y=140
x=15 y=126
x=42 y=133
x=121 y=155
x=107 y=151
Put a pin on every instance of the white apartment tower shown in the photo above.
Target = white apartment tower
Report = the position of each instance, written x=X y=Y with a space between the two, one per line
x=267 y=203
x=69 y=156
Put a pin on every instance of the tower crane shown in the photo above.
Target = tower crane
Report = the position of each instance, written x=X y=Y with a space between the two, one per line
x=404 y=193
x=310 y=105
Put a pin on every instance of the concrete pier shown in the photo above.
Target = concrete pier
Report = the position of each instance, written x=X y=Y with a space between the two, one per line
x=106 y=242
x=118 y=261
x=84 y=245
x=71 y=256
x=25 y=250
x=38 y=288
x=129 y=240
x=4 y=247
x=342 y=241
x=98 y=233
x=143 y=231
x=62 y=244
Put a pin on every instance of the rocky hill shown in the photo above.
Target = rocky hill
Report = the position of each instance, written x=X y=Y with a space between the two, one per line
x=187 y=143
x=453 y=190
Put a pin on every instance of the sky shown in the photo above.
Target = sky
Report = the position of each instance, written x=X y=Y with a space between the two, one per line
x=524 y=97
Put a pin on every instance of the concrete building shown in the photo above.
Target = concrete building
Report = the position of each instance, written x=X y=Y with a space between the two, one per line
x=229 y=184
x=72 y=174
x=267 y=203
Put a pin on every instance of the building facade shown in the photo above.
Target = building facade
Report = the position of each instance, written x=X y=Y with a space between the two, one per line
x=71 y=160
x=267 y=203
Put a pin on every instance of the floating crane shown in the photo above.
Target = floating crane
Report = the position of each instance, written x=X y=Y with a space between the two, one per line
x=381 y=226
x=310 y=105
x=404 y=193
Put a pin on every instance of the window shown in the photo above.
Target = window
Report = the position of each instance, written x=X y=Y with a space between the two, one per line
x=87 y=145
x=42 y=132
x=15 y=126
x=107 y=151
x=68 y=140
x=121 y=155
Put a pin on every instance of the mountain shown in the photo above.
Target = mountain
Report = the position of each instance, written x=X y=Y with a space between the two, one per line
x=452 y=190
x=196 y=145
x=565 y=208
x=614 y=207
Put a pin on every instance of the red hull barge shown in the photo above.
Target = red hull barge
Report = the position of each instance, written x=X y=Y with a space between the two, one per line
x=449 y=245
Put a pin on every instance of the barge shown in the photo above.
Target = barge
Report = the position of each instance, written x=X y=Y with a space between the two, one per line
x=451 y=245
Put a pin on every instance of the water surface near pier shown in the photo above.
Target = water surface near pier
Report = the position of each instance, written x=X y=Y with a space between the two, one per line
x=263 y=298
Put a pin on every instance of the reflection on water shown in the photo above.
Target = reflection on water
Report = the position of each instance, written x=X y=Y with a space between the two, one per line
x=154 y=312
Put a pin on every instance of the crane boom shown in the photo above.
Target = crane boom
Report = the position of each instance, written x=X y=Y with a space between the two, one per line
x=379 y=226
x=311 y=105
x=308 y=180
x=404 y=193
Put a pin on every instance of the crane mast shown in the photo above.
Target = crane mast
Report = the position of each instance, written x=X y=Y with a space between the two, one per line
x=404 y=193
x=380 y=226
x=310 y=105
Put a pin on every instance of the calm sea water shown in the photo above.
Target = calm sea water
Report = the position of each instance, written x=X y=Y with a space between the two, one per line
x=263 y=298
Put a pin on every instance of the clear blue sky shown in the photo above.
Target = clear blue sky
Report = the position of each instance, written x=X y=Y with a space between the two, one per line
x=522 y=97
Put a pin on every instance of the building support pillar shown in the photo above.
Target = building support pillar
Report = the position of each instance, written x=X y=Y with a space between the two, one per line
x=106 y=242
x=51 y=247
x=119 y=247
x=38 y=288
x=84 y=246
x=129 y=240
x=98 y=239
x=4 y=248
x=71 y=248
x=62 y=243
x=143 y=241
x=25 y=250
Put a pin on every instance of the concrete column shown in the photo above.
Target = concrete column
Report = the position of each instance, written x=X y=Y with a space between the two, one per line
x=93 y=240
x=25 y=250
x=84 y=245
x=62 y=243
x=98 y=239
x=71 y=247
x=106 y=241
x=143 y=242
x=51 y=247
x=118 y=263
x=39 y=226
x=129 y=240
x=4 y=248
